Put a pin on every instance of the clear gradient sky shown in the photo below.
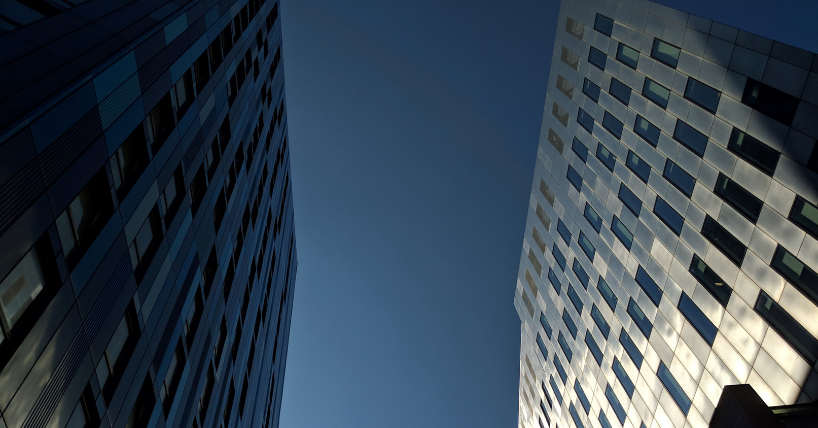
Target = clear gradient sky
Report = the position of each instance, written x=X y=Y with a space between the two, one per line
x=413 y=129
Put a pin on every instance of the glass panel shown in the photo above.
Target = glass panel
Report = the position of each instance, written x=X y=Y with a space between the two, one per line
x=564 y=232
x=542 y=347
x=673 y=388
x=575 y=299
x=585 y=120
x=712 y=282
x=552 y=278
x=626 y=382
x=739 y=198
x=627 y=56
x=586 y=245
x=565 y=86
x=574 y=28
x=698 y=319
x=622 y=233
x=600 y=321
x=558 y=257
x=605 y=156
x=581 y=274
x=572 y=327
x=569 y=58
x=647 y=130
x=754 y=151
x=575 y=416
x=555 y=389
x=666 y=53
x=593 y=217
x=638 y=166
x=565 y=348
x=66 y=232
x=22 y=285
x=805 y=215
x=561 y=371
x=143 y=239
x=703 y=95
x=612 y=124
x=796 y=272
x=560 y=113
x=648 y=285
x=574 y=178
x=630 y=199
x=580 y=150
x=597 y=58
x=791 y=330
x=656 y=93
x=770 y=101
x=723 y=240
x=593 y=347
x=668 y=215
x=545 y=325
x=620 y=91
x=603 y=24
x=617 y=408
x=631 y=348
x=607 y=293
x=603 y=420
x=690 y=138
x=679 y=178
x=117 y=341
x=645 y=326
x=591 y=90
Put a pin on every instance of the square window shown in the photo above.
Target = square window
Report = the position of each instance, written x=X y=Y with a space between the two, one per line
x=605 y=156
x=591 y=90
x=586 y=121
x=647 y=130
x=597 y=58
x=638 y=166
x=627 y=56
x=613 y=125
x=603 y=24
x=620 y=91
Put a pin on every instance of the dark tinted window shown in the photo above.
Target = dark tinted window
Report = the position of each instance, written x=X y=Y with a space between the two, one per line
x=128 y=162
x=723 y=240
x=575 y=416
x=586 y=246
x=580 y=150
x=564 y=232
x=753 y=151
x=161 y=122
x=603 y=24
x=627 y=56
x=791 y=330
x=665 y=53
x=647 y=130
x=679 y=178
x=649 y=286
x=580 y=273
x=703 y=95
x=803 y=214
x=607 y=293
x=656 y=93
x=631 y=348
x=585 y=120
x=697 y=319
x=575 y=299
x=552 y=278
x=593 y=347
x=645 y=326
x=620 y=91
x=668 y=215
x=543 y=349
x=83 y=219
x=796 y=272
x=574 y=178
x=565 y=348
x=615 y=405
x=638 y=166
x=770 y=101
x=673 y=388
x=591 y=90
x=690 y=138
x=593 y=217
x=710 y=280
x=612 y=124
x=603 y=420
x=600 y=321
x=597 y=58
x=605 y=156
x=622 y=233
x=572 y=327
x=558 y=257
x=630 y=199
x=739 y=198
x=545 y=325
x=554 y=388
x=582 y=398
x=624 y=379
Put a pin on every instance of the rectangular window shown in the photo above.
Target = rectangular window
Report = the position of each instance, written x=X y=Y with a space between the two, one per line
x=228 y=405
x=552 y=278
x=630 y=199
x=543 y=349
x=575 y=299
x=617 y=407
x=690 y=138
x=582 y=397
x=638 y=166
x=710 y=280
x=214 y=54
x=627 y=56
x=665 y=53
x=129 y=161
x=600 y=321
x=546 y=222
x=593 y=217
x=145 y=243
x=697 y=319
x=575 y=416
x=204 y=399
x=796 y=272
x=805 y=214
x=565 y=348
x=669 y=216
x=141 y=413
x=560 y=114
x=723 y=240
x=218 y=348
x=558 y=257
x=585 y=120
x=622 y=232
x=702 y=95
x=623 y=377
x=572 y=327
x=645 y=326
x=586 y=246
x=564 y=232
x=545 y=325
x=770 y=101
x=201 y=69
x=560 y=371
x=648 y=285
x=194 y=315
x=565 y=86
x=603 y=420
x=545 y=393
x=574 y=178
x=32 y=281
x=630 y=348
x=791 y=330
x=580 y=150
x=198 y=188
x=182 y=94
x=605 y=156
x=172 y=196
x=591 y=90
x=679 y=178
x=753 y=151
x=647 y=130
x=569 y=58
x=83 y=219
x=607 y=293
x=581 y=274
x=613 y=125
x=620 y=91
x=171 y=383
x=593 y=347
x=118 y=353
x=739 y=198
x=673 y=388
x=597 y=58
x=603 y=24
x=656 y=93
x=556 y=390
x=161 y=122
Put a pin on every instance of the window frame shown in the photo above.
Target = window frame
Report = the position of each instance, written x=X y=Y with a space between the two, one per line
x=668 y=215
x=718 y=235
x=627 y=61
x=642 y=172
x=651 y=94
x=597 y=58
x=653 y=53
x=591 y=90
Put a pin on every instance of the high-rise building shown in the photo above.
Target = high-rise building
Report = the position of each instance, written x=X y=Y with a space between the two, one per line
x=148 y=258
x=670 y=246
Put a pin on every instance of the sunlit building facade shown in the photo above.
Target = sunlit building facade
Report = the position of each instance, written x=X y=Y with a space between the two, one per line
x=147 y=261
x=671 y=240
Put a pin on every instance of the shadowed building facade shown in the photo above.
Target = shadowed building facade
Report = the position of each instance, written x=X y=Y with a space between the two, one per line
x=671 y=240
x=148 y=254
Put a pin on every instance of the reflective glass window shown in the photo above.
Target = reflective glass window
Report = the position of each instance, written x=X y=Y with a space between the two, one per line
x=656 y=93
x=593 y=217
x=710 y=280
x=593 y=347
x=638 y=166
x=613 y=125
x=631 y=201
x=647 y=130
x=703 y=95
x=622 y=232
x=791 y=330
x=690 y=138
x=591 y=90
x=585 y=120
x=645 y=326
x=580 y=273
x=697 y=319
x=603 y=24
x=574 y=178
x=631 y=349
x=648 y=285
x=580 y=150
x=600 y=321
x=679 y=178
x=575 y=299
x=586 y=246
x=673 y=388
x=607 y=293
x=668 y=215
x=620 y=91
x=753 y=151
x=665 y=52
x=804 y=214
x=796 y=272
x=739 y=198
x=723 y=240
x=615 y=405
x=627 y=56
x=597 y=58
x=624 y=379
x=770 y=101
x=605 y=156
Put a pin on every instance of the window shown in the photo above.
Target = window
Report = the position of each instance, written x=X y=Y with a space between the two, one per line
x=574 y=178
x=234 y=348
x=128 y=162
x=564 y=232
x=710 y=280
x=770 y=101
x=565 y=86
x=665 y=53
x=603 y=24
x=753 y=151
x=669 y=216
x=620 y=91
x=791 y=330
x=739 y=198
x=547 y=193
x=209 y=272
x=220 y=341
x=560 y=371
x=593 y=347
x=630 y=348
x=212 y=157
x=796 y=272
x=118 y=353
x=575 y=416
x=647 y=130
x=569 y=58
x=638 y=166
x=555 y=140
x=615 y=405
x=172 y=378
x=600 y=321
x=603 y=420
x=198 y=188
x=623 y=377
x=204 y=399
x=612 y=124
x=201 y=71
x=545 y=325
x=645 y=326
x=723 y=240
x=622 y=232
x=690 y=138
x=555 y=389
x=160 y=122
x=142 y=408
x=591 y=90
x=607 y=293
x=574 y=28
x=145 y=243
x=194 y=315
x=543 y=349
x=85 y=414
x=252 y=354
x=605 y=156
x=597 y=58
x=648 y=285
x=593 y=217
x=679 y=178
x=586 y=246
x=580 y=150
x=219 y=209
x=703 y=95
x=697 y=319
x=805 y=214
x=565 y=348
x=585 y=120
x=243 y=396
x=575 y=299
x=582 y=276
x=537 y=238
x=552 y=278
x=558 y=257
x=214 y=53
x=182 y=93
x=630 y=199
x=656 y=93
x=560 y=113
x=673 y=388
x=85 y=217
x=572 y=327
x=627 y=56
x=172 y=196
x=228 y=405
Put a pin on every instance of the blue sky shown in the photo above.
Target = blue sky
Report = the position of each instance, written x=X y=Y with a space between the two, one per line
x=413 y=130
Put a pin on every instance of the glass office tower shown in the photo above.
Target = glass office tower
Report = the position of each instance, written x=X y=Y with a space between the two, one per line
x=670 y=246
x=146 y=224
